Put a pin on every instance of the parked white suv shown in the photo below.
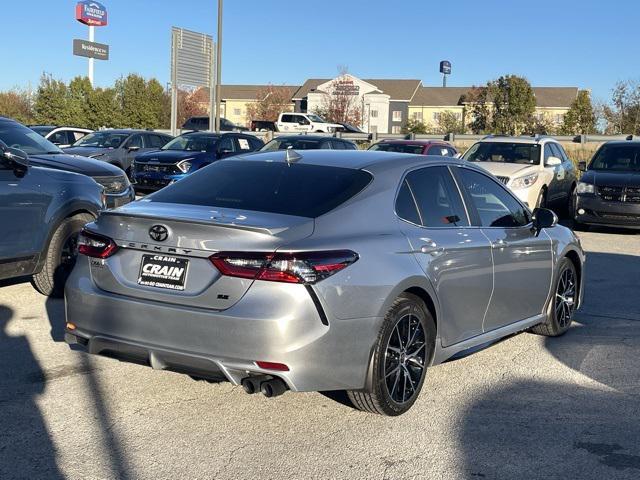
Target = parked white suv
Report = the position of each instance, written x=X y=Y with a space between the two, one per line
x=536 y=169
x=305 y=122
x=62 y=137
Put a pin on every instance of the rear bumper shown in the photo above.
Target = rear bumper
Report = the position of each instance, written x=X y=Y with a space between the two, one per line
x=272 y=322
x=592 y=210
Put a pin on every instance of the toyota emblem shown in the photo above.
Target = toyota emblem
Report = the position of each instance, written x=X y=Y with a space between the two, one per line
x=159 y=233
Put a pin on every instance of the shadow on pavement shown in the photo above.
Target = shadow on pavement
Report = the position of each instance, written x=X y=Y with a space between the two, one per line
x=26 y=448
x=85 y=365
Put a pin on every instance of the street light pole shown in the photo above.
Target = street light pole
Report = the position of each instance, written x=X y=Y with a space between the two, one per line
x=218 y=65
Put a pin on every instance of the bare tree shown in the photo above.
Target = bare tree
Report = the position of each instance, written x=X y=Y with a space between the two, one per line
x=341 y=102
x=270 y=102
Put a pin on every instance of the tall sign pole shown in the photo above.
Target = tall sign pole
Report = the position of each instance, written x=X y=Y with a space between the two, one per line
x=218 y=65
x=93 y=14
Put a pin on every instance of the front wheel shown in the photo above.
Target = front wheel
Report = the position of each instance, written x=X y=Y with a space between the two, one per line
x=403 y=349
x=563 y=303
x=60 y=256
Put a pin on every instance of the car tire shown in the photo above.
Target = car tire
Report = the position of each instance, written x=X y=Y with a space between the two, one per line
x=405 y=346
x=542 y=198
x=562 y=305
x=60 y=256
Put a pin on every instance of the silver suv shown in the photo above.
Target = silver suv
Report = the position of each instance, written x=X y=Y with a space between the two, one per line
x=536 y=169
x=321 y=271
x=42 y=210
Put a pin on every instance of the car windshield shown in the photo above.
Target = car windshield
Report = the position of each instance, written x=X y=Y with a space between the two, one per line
x=621 y=158
x=32 y=143
x=397 y=147
x=275 y=187
x=42 y=130
x=102 y=140
x=504 y=152
x=193 y=143
x=295 y=143
x=315 y=118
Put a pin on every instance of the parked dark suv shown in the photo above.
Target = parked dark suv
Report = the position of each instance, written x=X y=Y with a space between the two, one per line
x=608 y=192
x=186 y=154
x=43 y=153
x=118 y=147
x=202 y=123
x=308 y=142
x=42 y=210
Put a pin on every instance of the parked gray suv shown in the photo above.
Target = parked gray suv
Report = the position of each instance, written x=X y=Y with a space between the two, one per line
x=118 y=147
x=41 y=212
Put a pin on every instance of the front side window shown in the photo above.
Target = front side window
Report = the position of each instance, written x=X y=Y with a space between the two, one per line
x=436 y=196
x=547 y=152
x=135 y=141
x=25 y=139
x=103 y=139
x=504 y=152
x=495 y=206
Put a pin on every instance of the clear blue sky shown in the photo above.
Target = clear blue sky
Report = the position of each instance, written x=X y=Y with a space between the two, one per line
x=590 y=44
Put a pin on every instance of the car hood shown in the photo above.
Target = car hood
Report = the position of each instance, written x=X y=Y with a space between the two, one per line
x=501 y=169
x=611 y=179
x=87 y=151
x=171 y=156
x=76 y=164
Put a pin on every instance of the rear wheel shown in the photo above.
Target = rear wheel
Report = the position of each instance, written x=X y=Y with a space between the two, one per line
x=60 y=256
x=403 y=349
x=563 y=303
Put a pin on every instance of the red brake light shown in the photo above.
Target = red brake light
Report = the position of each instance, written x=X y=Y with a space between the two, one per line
x=303 y=267
x=96 y=246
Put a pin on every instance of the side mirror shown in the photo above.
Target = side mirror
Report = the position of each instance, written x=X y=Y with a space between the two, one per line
x=14 y=158
x=133 y=149
x=553 y=162
x=543 y=218
x=582 y=166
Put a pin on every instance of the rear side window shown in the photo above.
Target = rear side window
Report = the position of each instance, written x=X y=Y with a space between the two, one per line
x=337 y=145
x=350 y=146
x=299 y=189
x=155 y=141
x=437 y=198
x=406 y=206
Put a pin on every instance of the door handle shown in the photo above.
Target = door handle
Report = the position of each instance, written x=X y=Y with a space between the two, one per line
x=430 y=246
x=500 y=244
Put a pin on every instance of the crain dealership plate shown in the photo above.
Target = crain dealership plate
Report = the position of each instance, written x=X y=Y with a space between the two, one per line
x=163 y=272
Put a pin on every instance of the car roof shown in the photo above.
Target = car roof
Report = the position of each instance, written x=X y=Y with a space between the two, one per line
x=355 y=159
x=306 y=137
x=517 y=139
x=635 y=143
x=413 y=142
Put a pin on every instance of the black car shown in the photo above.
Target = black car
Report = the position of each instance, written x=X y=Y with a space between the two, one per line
x=187 y=153
x=43 y=153
x=608 y=192
x=202 y=123
x=308 y=142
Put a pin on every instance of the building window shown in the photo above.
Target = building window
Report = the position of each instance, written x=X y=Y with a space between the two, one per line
x=436 y=116
x=237 y=112
x=374 y=113
x=397 y=116
x=417 y=116
x=559 y=118
x=396 y=129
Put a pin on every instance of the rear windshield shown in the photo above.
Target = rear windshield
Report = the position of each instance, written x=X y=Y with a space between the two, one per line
x=397 y=147
x=299 y=189
x=295 y=143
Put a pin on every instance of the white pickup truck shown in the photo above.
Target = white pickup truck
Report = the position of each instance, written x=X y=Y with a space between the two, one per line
x=305 y=122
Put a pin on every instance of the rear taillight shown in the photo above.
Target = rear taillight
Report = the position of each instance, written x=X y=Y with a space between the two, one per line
x=302 y=267
x=94 y=245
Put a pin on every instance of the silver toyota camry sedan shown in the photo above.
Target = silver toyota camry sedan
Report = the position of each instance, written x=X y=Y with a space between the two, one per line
x=327 y=270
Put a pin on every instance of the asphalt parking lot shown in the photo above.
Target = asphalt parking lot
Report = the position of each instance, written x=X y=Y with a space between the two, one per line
x=527 y=407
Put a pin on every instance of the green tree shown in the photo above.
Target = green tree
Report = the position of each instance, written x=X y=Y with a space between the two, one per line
x=513 y=104
x=50 y=106
x=581 y=117
x=623 y=115
x=140 y=101
x=17 y=105
x=448 y=122
x=414 y=126
x=478 y=116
